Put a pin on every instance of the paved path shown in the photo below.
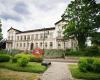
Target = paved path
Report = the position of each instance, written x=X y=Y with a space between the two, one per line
x=57 y=71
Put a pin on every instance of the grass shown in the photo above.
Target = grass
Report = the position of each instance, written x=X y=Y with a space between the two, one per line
x=6 y=74
x=76 y=73
x=31 y=67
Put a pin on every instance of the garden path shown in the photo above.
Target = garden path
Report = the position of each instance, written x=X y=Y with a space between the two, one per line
x=57 y=71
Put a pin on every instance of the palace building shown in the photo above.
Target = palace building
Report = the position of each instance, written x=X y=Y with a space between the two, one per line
x=45 y=38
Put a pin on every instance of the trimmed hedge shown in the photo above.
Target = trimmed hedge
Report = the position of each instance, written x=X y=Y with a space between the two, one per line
x=89 y=64
x=54 y=53
x=30 y=56
x=89 y=51
x=23 y=61
x=4 y=58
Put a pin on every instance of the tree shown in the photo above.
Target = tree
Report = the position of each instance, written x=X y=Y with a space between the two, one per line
x=82 y=19
x=1 y=37
x=95 y=39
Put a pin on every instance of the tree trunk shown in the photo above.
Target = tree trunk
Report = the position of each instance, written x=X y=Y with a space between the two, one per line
x=81 y=42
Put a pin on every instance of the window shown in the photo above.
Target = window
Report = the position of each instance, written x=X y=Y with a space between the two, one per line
x=45 y=45
x=36 y=44
x=17 y=44
x=41 y=36
x=51 y=35
x=24 y=44
x=32 y=36
x=41 y=44
x=25 y=37
x=51 y=44
x=21 y=38
x=28 y=37
x=59 y=33
x=20 y=44
x=36 y=36
x=59 y=45
x=17 y=37
x=46 y=35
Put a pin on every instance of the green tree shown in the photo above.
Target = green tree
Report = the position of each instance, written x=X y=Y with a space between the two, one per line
x=95 y=39
x=0 y=31
x=82 y=19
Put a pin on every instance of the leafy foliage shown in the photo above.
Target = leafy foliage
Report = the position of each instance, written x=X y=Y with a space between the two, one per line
x=89 y=51
x=89 y=64
x=4 y=58
x=31 y=67
x=82 y=19
x=23 y=61
x=96 y=39
x=76 y=73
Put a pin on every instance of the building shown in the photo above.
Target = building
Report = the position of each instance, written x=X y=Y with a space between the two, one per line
x=45 y=38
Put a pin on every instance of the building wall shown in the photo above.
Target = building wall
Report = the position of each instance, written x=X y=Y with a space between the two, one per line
x=53 y=39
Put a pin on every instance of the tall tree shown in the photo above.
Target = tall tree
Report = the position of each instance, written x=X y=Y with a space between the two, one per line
x=82 y=19
x=95 y=39
x=0 y=31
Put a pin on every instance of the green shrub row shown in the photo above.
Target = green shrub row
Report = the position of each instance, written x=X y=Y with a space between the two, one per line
x=90 y=51
x=31 y=57
x=54 y=53
x=4 y=58
x=89 y=64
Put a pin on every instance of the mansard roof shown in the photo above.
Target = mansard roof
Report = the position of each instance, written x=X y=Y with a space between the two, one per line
x=36 y=30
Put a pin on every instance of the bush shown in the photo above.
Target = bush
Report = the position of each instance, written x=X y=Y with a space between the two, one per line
x=17 y=56
x=30 y=56
x=34 y=59
x=4 y=58
x=3 y=52
x=89 y=51
x=83 y=65
x=23 y=61
x=96 y=65
x=89 y=64
x=54 y=53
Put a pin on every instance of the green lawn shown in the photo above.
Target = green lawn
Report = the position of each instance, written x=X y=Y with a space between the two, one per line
x=6 y=74
x=76 y=73
x=31 y=67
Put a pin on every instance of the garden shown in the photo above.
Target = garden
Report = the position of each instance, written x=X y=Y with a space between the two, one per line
x=21 y=62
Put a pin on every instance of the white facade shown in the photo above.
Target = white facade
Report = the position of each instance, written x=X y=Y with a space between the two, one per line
x=47 y=38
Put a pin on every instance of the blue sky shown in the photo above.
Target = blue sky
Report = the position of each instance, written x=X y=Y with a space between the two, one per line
x=31 y=14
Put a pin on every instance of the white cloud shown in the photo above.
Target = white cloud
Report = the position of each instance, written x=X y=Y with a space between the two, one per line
x=42 y=13
x=39 y=13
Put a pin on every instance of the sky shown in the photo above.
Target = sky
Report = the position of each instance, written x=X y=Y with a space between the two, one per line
x=31 y=14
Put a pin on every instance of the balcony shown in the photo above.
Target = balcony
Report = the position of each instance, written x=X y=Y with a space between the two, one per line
x=9 y=41
x=59 y=38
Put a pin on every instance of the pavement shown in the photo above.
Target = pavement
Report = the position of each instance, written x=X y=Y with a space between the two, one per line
x=57 y=71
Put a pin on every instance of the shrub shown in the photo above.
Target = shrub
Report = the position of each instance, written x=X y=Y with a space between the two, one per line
x=89 y=64
x=3 y=52
x=89 y=51
x=4 y=58
x=17 y=56
x=30 y=56
x=96 y=65
x=83 y=65
x=54 y=53
x=34 y=59
x=23 y=61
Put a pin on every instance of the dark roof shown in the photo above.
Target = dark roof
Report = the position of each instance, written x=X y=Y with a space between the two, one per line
x=14 y=29
x=59 y=21
x=36 y=30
